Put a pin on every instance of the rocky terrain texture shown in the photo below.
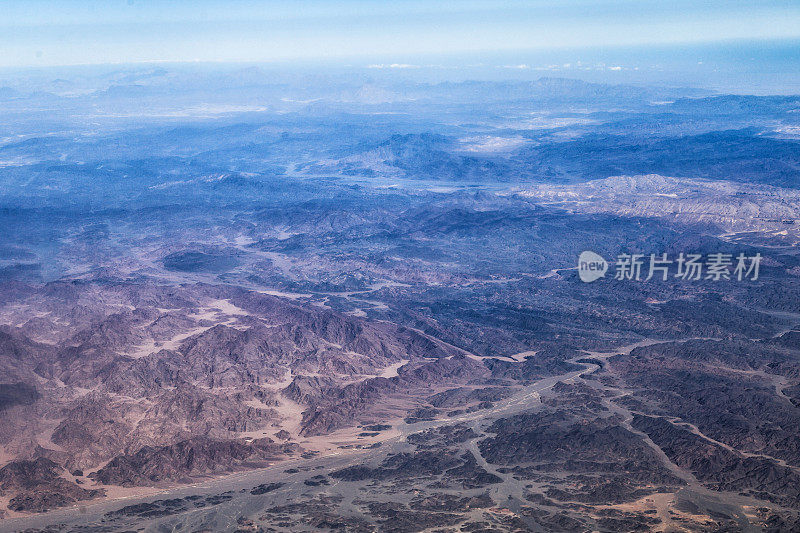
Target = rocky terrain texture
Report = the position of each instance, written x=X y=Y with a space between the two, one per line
x=359 y=314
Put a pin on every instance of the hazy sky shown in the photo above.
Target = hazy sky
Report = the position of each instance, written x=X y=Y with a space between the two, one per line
x=51 y=32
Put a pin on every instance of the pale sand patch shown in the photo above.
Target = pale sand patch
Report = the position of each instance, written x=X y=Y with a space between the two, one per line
x=290 y=411
x=243 y=240
x=116 y=492
x=151 y=346
x=332 y=443
x=492 y=144
x=222 y=311
x=44 y=437
x=520 y=357
x=227 y=308
x=290 y=295
x=391 y=370
x=663 y=503
x=6 y=457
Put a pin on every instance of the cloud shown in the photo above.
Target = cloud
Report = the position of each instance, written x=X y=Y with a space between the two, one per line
x=393 y=65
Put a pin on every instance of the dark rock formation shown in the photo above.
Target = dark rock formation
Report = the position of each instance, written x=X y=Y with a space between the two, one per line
x=188 y=458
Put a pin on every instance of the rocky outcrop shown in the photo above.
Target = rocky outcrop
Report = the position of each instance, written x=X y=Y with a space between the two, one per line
x=721 y=468
x=189 y=458
x=340 y=407
x=36 y=486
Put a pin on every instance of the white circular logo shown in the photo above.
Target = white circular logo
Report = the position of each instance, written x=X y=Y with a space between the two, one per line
x=591 y=266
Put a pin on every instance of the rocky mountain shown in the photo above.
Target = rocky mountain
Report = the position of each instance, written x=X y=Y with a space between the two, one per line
x=244 y=300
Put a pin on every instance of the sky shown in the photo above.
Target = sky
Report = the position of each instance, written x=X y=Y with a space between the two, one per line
x=377 y=32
